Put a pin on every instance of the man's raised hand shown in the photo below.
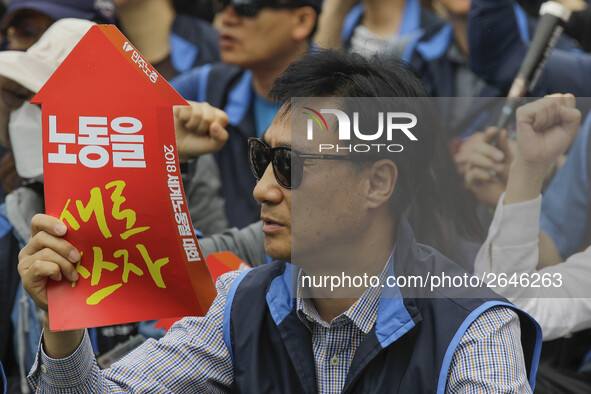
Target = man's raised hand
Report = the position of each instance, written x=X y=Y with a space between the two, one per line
x=545 y=129
x=199 y=129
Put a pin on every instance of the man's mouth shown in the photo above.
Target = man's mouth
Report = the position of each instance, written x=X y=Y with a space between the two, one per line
x=270 y=225
x=227 y=40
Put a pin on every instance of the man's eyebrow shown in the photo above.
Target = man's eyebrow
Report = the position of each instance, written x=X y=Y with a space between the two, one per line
x=278 y=144
x=266 y=141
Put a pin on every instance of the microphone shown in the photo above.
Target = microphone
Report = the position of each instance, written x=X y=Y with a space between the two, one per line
x=553 y=18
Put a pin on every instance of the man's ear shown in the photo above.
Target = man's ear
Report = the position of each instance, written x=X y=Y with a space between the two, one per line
x=305 y=19
x=382 y=177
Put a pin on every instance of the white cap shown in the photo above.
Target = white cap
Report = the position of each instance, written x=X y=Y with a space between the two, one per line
x=33 y=68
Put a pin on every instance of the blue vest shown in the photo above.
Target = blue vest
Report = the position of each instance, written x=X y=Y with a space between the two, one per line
x=409 y=349
x=193 y=42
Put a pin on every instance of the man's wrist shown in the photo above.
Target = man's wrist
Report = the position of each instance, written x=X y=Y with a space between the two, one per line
x=60 y=344
x=525 y=181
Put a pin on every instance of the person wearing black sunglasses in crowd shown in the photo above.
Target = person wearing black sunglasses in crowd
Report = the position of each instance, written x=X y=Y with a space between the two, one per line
x=263 y=335
x=258 y=40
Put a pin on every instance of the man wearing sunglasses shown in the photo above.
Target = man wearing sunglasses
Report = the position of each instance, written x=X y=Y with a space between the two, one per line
x=325 y=213
x=258 y=40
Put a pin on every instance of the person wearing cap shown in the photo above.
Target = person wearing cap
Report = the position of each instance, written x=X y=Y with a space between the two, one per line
x=23 y=73
x=26 y=20
x=258 y=40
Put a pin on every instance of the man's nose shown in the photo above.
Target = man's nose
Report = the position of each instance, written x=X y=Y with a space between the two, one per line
x=267 y=190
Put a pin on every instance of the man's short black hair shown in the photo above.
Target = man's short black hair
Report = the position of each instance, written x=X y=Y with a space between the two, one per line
x=339 y=73
x=332 y=73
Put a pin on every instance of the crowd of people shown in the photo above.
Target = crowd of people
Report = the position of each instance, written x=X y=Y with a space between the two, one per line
x=510 y=208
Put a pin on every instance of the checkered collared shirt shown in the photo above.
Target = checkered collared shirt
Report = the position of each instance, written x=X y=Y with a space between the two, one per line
x=192 y=357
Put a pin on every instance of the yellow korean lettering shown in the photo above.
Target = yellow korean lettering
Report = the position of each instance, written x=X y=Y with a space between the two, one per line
x=153 y=267
x=95 y=204
x=68 y=217
x=127 y=266
x=99 y=265
x=101 y=294
x=127 y=214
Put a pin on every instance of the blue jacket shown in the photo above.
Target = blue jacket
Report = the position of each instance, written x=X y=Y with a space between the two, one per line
x=429 y=39
x=228 y=88
x=18 y=312
x=2 y=379
x=497 y=51
x=429 y=55
x=415 y=21
x=9 y=280
x=566 y=205
x=409 y=350
x=193 y=42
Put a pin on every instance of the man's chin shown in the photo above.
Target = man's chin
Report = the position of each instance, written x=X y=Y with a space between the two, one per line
x=277 y=252
x=232 y=58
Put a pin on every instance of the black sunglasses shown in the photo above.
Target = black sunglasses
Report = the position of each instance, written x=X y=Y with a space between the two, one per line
x=288 y=164
x=250 y=8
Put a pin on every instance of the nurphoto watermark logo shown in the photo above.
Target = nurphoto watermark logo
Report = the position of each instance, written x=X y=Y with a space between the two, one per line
x=389 y=123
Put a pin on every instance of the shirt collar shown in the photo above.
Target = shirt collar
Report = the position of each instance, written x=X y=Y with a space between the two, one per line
x=363 y=313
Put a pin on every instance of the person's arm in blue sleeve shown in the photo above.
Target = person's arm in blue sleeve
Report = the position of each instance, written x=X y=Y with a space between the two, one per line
x=497 y=50
x=565 y=207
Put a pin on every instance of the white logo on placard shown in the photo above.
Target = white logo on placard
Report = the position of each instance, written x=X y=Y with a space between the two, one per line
x=127 y=47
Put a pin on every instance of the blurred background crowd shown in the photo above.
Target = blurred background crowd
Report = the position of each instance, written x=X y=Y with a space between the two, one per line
x=228 y=52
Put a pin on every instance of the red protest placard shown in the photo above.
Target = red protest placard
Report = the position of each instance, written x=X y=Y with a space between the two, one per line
x=218 y=264
x=222 y=262
x=111 y=175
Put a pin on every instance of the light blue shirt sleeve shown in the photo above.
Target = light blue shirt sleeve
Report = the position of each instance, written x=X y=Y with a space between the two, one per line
x=192 y=357
x=565 y=206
